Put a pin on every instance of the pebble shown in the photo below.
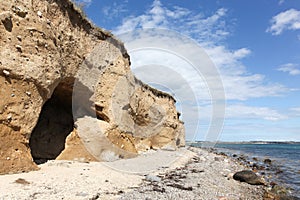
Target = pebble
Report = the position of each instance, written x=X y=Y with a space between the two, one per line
x=6 y=73
x=152 y=178
x=20 y=11
x=219 y=159
x=40 y=14
x=82 y=194
x=267 y=161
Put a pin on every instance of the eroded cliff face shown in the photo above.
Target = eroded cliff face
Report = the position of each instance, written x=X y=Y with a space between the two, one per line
x=46 y=51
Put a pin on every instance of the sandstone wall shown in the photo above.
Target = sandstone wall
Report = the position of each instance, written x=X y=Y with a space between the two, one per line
x=44 y=46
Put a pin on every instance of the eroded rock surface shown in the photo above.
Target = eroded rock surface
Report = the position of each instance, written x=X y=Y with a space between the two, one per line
x=46 y=46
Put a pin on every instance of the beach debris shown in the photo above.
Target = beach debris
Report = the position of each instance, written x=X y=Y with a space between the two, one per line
x=82 y=194
x=152 y=178
x=182 y=187
x=194 y=170
x=159 y=189
x=248 y=176
x=22 y=181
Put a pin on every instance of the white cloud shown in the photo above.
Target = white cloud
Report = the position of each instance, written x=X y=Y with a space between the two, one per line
x=207 y=31
x=281 y=2
x=83 y=2
x=290 y=68
x=115 y=10
x=295 y=111
x=179 y=19
x=287 y=20
x=241 y=53
x=238 y=83
x=250 y=112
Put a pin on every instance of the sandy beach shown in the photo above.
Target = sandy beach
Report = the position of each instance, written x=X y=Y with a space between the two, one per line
x=189 y=173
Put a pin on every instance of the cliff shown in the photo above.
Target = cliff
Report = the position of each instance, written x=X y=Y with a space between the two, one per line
x=48 y=49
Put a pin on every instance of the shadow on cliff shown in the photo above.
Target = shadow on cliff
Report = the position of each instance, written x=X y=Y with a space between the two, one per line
x=55 y=123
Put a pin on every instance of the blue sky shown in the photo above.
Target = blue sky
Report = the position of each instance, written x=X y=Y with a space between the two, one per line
x=254 y=44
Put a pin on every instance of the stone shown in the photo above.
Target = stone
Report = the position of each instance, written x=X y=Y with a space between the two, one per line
x=159 y=189
x=181 y=187
x=20 y=11
x=6 y=73
x=219 y=159
x=248 y=176
x=280 y=193
x=152 y=178
x=22 y=181
x=267 y=161
x=6 y=20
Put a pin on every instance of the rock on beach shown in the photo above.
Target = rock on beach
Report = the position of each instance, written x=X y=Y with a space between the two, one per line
x=248 y=176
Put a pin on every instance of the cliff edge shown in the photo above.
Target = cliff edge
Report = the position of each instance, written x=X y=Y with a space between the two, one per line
x=48 y=49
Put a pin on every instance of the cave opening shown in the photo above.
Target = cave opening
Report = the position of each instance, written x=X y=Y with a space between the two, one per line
x=55 y=123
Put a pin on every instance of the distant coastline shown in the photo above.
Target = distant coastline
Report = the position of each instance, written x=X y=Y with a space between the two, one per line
x=245 y=142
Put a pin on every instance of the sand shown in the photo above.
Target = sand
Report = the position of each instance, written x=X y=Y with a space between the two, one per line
x=182 y=174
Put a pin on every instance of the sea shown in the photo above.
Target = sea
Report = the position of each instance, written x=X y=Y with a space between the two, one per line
x=284 y=168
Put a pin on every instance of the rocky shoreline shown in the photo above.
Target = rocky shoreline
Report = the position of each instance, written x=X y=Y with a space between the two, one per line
x=265 y=168
x=205 y=176
x=189 y=173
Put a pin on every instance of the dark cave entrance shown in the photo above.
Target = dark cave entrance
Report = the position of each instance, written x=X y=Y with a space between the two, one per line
x=55 y=123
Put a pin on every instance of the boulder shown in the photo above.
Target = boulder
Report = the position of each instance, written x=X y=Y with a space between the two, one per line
x=48 y=51
x=248 y=176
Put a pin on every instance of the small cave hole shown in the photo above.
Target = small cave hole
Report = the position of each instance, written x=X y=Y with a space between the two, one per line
x=55 y=123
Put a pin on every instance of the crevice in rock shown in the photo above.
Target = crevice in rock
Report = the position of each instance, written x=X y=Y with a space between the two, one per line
x=55 y=123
